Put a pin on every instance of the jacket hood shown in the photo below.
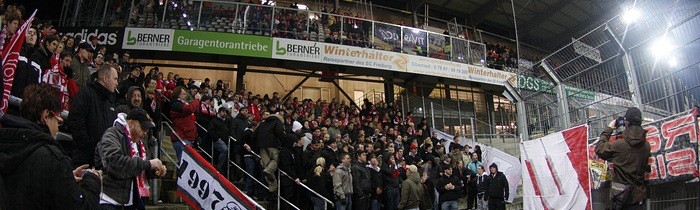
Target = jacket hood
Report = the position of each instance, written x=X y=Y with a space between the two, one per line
x=18 y=140
x=634 y=135
x=343 y=167
x=130 y=94
x=414 y=177
x=274 y=117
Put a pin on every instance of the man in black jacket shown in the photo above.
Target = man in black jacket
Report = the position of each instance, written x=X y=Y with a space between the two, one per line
x=449 y=187
x=35 y=172
x=269 y=136
x=93 y=110
x=497 y=188
x=361 y=179
x=218 y=134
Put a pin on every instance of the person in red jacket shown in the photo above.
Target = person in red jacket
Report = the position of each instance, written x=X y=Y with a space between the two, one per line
x=255 y=110
x=181 y=113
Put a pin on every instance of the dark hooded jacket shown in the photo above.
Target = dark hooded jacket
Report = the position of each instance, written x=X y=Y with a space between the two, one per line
x=36 y=174
x=125 y=108
x=238 y=126
x=270 y=133
x=629 y=156
x=93 y=110
x=497 y=186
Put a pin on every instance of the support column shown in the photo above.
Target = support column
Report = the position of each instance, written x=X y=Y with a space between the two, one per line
x=242 y=68
x=388 y=90
x=490 y=111
x=563 y=111
x=628 y=64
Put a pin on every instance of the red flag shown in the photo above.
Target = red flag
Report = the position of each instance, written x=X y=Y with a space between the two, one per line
x=10 y=57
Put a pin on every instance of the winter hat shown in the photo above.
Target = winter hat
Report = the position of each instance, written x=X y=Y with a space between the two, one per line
x=633 y=116
x=493 y=165
x=296 y=126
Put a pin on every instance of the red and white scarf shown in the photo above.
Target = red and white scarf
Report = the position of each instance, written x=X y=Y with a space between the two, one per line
x=141 y=181
x=56 y=77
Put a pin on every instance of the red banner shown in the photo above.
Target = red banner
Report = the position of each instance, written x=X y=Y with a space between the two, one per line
x=10 y=58
x=674 y=151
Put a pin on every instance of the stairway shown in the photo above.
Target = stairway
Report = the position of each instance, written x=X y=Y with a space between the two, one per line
x=168 y=184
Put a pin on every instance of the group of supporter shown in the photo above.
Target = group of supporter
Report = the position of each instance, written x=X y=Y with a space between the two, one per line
x=359 y=156
x=107 y=162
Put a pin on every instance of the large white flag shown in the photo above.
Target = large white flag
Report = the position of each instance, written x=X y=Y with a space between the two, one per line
x=555 y=175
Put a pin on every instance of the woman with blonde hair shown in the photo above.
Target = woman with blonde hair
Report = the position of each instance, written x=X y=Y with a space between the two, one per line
x=318 y=181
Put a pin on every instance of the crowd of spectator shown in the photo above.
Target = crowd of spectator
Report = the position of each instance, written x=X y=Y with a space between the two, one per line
x=366 y=156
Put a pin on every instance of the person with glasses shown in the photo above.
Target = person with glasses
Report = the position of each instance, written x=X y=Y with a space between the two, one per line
x=36 y=172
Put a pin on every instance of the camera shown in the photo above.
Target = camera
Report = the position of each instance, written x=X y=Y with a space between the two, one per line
x=620 y=121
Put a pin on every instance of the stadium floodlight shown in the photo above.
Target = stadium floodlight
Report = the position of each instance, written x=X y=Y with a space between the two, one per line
x=661 y=47
x=672 y=62
x=631 y=15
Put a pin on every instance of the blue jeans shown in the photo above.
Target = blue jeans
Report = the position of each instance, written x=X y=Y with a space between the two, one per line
x=376 y=204
x=348 y=203
x=449 y=205
x=319 y=204
x=179 y=147
x=250 y=165
x=392 y=199
x=222 y=149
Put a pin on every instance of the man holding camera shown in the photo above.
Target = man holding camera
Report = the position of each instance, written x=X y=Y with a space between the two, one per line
x=630 y=155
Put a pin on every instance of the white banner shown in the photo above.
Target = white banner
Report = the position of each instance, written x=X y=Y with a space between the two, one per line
x=203 y=187
x=508 y=164
x=148 y=39
x=455 y=70
x=555 y=175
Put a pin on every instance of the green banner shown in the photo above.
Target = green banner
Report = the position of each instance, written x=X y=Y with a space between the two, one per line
x=222 y=43
x=540 y=85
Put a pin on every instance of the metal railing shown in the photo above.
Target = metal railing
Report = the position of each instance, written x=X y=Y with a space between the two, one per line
x=230 y=138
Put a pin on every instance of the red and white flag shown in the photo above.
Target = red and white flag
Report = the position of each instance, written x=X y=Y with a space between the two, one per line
x=555 y=175
x=10 y=58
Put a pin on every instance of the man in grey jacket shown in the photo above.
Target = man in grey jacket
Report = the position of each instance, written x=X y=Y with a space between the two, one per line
x=342 y=184
x=126 y=162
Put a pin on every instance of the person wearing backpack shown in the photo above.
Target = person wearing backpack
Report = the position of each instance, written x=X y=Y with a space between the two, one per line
x=411 y=190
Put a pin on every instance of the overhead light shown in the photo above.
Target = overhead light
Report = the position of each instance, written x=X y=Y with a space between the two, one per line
x=672 y=62
x=188 y=23
x=184 y=15
x=661 y=47
x=631 y=15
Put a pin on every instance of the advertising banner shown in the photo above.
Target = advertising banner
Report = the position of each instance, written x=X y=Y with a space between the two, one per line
x=148 y=39
x=297 y=50
x=203 y=187
x=555 y=175
x=454 y=70
x=110 y=37
x=222 y=43
x=541 y=85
